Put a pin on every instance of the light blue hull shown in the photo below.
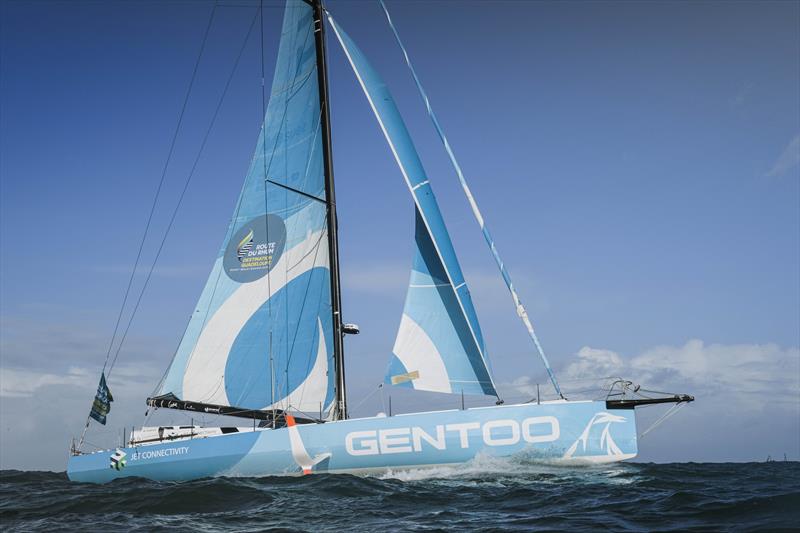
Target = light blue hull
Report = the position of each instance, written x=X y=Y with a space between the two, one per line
x=565 y=431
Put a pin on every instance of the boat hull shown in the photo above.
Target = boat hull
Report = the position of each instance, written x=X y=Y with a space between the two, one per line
x=559 y=431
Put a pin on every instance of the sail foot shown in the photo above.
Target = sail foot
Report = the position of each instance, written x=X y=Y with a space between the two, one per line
x=169 y=401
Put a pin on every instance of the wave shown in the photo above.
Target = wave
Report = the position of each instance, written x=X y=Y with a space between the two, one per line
x=518 y=493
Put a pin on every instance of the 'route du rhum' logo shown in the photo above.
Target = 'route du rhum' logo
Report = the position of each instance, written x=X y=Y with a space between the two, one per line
x=245 y=246
x=255 y=248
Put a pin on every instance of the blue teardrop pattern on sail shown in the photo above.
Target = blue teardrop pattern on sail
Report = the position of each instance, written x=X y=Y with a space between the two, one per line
x=293 y=348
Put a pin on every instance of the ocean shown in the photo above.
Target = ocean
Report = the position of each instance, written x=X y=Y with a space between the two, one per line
x=484 y=495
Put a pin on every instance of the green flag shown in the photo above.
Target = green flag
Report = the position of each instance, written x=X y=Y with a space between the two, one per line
x=102 y=401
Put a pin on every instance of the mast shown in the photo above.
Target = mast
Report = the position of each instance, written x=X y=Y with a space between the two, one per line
x=340 y=409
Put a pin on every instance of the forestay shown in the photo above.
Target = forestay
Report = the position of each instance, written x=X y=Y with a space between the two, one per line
x=439 y=346
x=261 y=336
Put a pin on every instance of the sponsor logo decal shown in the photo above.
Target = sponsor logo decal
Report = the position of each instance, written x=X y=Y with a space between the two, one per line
x=163 y=452
x=118 y=460
x=504 y=432
x=255 y=248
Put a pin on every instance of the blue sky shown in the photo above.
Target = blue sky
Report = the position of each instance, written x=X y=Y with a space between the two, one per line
x=637 y=163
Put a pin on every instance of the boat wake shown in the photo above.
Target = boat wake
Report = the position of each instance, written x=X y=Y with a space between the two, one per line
x=527 y=465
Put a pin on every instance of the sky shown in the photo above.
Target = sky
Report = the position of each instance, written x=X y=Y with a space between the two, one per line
x=637 y=163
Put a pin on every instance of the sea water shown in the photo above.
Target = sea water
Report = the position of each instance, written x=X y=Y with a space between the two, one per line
x=483 y=495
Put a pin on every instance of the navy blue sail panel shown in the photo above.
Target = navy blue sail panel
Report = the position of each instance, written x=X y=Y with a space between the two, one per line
x=261 y=335
x=439 y=345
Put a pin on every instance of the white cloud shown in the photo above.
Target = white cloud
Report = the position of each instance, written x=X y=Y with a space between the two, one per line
x=20 y=383
x=744 y=375
x=747 y=397
x=52 y=347
x=24 y=383
x=593 y=362
x=33 y=404
x=789 y=158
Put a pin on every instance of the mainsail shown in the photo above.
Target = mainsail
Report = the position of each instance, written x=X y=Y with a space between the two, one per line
x=439 y=346
x=262 y=334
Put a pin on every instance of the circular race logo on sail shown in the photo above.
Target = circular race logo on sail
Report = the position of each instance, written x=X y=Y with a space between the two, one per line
x=255 y=248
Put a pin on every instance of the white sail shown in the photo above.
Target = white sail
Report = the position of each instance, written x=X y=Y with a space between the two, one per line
x=262 y=332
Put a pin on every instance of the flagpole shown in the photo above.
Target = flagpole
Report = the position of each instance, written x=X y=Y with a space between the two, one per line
x=80 y=442
x=104 y=397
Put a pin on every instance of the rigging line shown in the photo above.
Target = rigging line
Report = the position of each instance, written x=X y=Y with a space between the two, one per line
x=290 y=347
x=286 y=405
x=304 y=184
x=182 y=194
x=297 y=191
x=160 y=184
x=291 y=92
x=207 y=398
x=266 y=208
x=174 y=353
x=314 y=249
x=266 y=167
x=229 y=233
x=285 y=107
x=671 y=412
x=523 y=314
x=309 y=366
x=284 y=345
x=370 y=395
x=403 y=170
x=313 y=150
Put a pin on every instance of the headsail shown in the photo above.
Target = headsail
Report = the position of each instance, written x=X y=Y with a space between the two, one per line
x=439 y=346
x=523 y=314
x=261 y=336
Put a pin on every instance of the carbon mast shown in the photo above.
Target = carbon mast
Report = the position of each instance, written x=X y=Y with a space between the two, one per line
x=340 y=408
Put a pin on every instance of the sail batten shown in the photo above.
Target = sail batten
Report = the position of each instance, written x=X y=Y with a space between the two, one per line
x=441 y=327
x=261 y=336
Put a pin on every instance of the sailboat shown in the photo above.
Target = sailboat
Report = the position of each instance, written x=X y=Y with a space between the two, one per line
x=266 y=341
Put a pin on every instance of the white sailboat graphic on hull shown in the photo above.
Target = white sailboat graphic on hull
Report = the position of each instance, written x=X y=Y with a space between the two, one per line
x=607 y=444
x=266 y=343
